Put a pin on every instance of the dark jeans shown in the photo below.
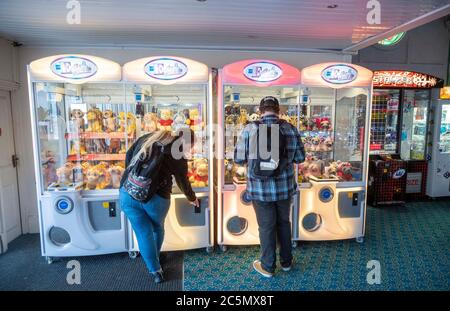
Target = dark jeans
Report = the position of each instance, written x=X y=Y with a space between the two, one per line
x=273 y=222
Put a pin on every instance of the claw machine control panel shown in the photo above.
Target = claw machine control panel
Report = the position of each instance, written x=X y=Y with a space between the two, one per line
x=334 y=125
x=79 y=144
x=174 y=93
x=241 y=87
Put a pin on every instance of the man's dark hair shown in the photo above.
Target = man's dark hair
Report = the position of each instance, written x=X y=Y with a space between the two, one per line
x=269 y=104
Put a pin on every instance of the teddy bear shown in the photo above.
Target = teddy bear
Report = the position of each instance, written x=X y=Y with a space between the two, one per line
x=328 y=143
x=311 y=124
x=116 y=173
x=165 y=120
x=344 y=171
x=201 y=175
x=95 y=120
x=316 y=168
x=97 y=178
x=194 y=121
x=77 y=147
x=64 y=173
x=109 y=119
x=315 y=143
x=127 y=121
x=239 y=173
x=150 y=123
x=77 y=117
x=324 y=124
x=331 y=170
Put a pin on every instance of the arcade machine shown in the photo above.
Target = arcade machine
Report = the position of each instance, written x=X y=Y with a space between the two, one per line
x=241 y=86
x=439 y=164
x=334 y=124
x=173 y=93
x=79 y=144
x=400 y=136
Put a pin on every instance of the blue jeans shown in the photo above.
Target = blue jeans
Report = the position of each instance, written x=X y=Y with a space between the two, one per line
x=273 y=222
x=147 y=220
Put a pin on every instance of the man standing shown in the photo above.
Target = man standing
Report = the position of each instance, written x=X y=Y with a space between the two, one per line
x=271 y=181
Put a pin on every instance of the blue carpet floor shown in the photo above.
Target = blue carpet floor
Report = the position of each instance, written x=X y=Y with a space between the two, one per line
x=412 y=244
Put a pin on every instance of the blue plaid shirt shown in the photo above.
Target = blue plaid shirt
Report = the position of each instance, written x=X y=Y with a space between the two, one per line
x=283 y=186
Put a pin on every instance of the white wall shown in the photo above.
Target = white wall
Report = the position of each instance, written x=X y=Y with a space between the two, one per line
x=8 y=64
x=216 y=59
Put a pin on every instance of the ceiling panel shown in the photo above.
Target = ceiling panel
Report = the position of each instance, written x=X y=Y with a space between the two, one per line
x=250 y=24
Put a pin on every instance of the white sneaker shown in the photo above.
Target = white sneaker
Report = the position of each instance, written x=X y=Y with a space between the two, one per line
x=288 y=268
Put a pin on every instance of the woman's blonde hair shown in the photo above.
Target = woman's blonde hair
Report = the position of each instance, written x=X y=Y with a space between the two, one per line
x=161 y=136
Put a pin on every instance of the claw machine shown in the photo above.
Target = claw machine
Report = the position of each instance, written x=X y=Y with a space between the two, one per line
x=439 y=162
x=400 y=136
x=241 y=86
x=79 y=144
x=173 y=93
x=334 y=123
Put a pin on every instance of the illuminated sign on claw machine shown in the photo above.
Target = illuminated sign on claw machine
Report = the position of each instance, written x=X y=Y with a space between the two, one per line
x=339 y=74
x=263 y=72
x=74 y=67
x=165 y=69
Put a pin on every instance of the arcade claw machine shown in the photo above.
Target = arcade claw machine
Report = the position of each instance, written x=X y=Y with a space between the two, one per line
x=79 y=144
x=241 y=87
x=439 y=163
x=334 y=123
x=400 y=136
x=174 y=93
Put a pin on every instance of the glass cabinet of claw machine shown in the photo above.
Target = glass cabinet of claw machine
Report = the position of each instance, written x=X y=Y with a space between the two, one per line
x=173 y=93
x=80 y=140
x=241 y=87
x=334 y=125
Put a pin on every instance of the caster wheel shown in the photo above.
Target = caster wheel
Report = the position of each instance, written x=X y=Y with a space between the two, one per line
x=360 y=239
x=223 y=248
x=294 y=244
x=133 y=254
x=49 y=260
x=209 y=249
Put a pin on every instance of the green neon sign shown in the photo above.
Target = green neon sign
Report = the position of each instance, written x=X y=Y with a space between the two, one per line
x=392 y=40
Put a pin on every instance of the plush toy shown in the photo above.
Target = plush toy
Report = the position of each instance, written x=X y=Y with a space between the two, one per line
x=191 y=171
x=316 y=168
x=331 y=170
x=97 y=177
x=150 y=123
x=344 y=171
x=315 y=143
x=201 y=175
x=329 y=143
x=127 y=121
x=243 y=117
x=324 y=124
x=77 y=147
x=165 y=120
x=95 y=120
x=311 y=124
x=194 y=121
x=253 y=117
x=116 y=173
x=65 y=173
x=114 y=146
x=303 y=123
x=109 y=119
x=78 y=119
x=323 y=146
x=240 y=172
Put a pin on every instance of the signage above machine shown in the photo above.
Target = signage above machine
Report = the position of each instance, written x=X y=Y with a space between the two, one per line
x=404 y=79
x=165 y=69
x=339 y=74
x=263 y=72
x=73 y=67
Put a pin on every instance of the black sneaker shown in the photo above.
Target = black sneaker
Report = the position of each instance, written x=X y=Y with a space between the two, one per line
x=158 y=276
x=288 y=268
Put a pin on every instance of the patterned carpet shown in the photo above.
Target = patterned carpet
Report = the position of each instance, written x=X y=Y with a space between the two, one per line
x=23 y=268
x=412 y=244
